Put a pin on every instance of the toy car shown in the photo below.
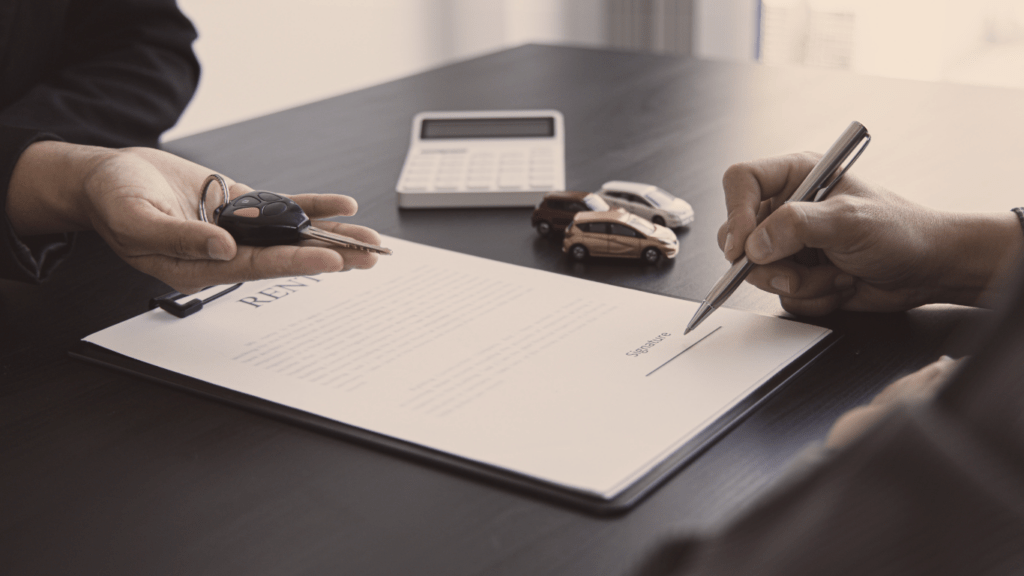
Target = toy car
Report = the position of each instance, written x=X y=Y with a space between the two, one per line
x=648 y=201
x=618 y=234
x=556 y=210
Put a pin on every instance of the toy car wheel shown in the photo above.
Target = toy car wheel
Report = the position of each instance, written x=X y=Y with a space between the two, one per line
x=543 y=228
x=578 y=252
x=651 y=255
x=658 y=220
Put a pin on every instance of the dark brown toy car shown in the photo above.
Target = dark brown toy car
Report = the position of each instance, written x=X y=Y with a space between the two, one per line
x=556 y=210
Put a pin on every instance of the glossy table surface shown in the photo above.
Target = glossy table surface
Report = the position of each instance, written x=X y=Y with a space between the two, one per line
x=101 y=472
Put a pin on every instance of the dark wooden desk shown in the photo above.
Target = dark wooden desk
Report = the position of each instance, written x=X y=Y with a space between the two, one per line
x=103 y=473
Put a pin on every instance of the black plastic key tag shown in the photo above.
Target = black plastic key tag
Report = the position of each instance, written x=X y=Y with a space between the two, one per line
x=262 y=218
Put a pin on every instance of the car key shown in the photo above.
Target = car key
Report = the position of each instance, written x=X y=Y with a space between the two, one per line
x=262 y=218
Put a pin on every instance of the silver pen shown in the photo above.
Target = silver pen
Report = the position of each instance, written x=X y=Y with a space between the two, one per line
x=813 y=189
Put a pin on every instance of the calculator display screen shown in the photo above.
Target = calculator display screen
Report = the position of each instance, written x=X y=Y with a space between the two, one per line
x=487 y=128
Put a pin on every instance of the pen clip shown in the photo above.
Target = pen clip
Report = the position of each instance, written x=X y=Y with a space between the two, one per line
x=823 y=192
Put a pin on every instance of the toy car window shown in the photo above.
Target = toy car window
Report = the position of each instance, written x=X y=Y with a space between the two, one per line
x=640 y=223
x=596 y=203
x=638 y=200
x=659 y=198
x=599 y=227
x=556 y=204
x=576 y=207
x=621 y=230
x=582 y=227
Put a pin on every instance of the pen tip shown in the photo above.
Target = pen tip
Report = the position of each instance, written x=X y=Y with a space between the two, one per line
x=687 y=331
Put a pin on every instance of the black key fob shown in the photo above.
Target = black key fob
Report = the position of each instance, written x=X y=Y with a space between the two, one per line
x=262 y=218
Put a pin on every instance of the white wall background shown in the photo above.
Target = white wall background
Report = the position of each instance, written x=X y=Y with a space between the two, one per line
x=261 y=56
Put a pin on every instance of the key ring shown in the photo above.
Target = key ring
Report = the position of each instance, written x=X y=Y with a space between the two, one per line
x=169 y=302
x=202 y=199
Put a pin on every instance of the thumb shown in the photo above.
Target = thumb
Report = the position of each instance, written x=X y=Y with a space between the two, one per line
x=793 y=227
x=154 y=232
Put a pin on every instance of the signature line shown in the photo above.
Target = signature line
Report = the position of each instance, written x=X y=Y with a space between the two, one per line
x=684 y=350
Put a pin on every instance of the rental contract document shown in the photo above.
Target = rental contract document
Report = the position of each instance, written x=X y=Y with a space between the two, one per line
x=575 y=383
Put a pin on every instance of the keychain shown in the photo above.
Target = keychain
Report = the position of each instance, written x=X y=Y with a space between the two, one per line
x=262 y=218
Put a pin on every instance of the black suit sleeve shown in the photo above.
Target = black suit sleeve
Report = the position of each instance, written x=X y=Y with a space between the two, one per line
x=121 y=73
x=31 y=259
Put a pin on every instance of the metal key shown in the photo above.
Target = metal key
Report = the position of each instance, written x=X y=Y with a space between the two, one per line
x=262 y=218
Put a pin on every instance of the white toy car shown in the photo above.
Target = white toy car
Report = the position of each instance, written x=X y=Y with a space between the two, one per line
x=648 y=201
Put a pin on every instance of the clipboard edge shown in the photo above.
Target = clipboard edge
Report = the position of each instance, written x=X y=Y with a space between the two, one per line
x=501 y=478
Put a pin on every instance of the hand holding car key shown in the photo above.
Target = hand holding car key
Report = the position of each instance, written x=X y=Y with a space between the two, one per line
x=262 y=218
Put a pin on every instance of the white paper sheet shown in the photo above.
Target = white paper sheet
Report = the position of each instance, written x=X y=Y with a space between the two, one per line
x=573 y=382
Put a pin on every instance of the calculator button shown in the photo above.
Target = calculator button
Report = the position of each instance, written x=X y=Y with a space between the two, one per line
x=478 y=185
x=269 y=197
x=447 y=186
x=274 y=209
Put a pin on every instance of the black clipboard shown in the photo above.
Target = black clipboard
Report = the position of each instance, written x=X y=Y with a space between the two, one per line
x=495 y=476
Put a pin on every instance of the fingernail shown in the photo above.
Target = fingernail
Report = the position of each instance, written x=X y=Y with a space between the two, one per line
x=759 y=247
x=780 y=283
x=844 y=281
x=729 y=241
x=217 y=249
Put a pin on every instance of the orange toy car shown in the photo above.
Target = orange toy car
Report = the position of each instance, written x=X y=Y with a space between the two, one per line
x=618 y=234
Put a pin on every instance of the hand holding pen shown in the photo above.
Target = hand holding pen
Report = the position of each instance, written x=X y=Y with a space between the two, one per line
x=884 y=253
x=814 y=186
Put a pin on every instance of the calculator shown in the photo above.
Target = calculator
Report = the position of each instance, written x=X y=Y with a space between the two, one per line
x=476 y=159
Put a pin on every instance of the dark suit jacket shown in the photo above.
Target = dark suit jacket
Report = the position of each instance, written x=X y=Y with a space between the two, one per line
x=111 y=73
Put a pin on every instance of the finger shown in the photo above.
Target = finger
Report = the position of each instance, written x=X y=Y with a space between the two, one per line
x=143 y=229
x=326 y=205
x=919 y=385
x=763 y=210
x=238 y=189
x=852 y=424
x=830 y=224
x=787 y=278
x=747 y=184
x=819 y=306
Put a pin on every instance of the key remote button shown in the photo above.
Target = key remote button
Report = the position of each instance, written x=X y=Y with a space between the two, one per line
x=269 y=197
x=273 y=209
x=250 y=212
x=246 y=201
